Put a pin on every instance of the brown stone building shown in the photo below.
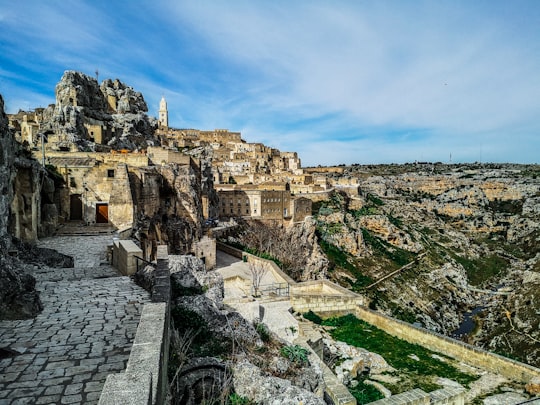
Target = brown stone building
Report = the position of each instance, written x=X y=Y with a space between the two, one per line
x=265 y=202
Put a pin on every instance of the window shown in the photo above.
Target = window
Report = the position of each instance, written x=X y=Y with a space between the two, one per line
x=110 y=173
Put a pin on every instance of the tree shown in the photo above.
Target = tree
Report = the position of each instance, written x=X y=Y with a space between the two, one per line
x=258 y=270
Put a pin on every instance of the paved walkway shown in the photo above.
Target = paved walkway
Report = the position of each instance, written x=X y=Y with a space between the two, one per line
x=83 y=334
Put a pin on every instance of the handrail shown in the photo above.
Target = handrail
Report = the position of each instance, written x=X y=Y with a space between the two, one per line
x=140 y=259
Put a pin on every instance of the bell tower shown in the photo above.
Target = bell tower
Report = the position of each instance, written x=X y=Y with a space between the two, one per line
x=163 y=114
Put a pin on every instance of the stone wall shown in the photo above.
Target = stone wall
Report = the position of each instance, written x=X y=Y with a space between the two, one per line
x=323 y=296
x=159 y=155
x=122 y=212
x=317 y=196
x=145 y=378
x=469 y=354
x=445 y=396
x=205 y=249
x=133 y=159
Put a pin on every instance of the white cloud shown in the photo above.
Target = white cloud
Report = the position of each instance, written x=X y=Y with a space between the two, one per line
x=301 y=75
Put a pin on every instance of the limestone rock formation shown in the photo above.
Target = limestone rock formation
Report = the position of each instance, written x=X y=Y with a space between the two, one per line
x=470 y=234
x=18 y=296
x=296 y=246
x=353 y=361
x=122 y=99
x=250 y=382
x=7 y=175
x=115 y=111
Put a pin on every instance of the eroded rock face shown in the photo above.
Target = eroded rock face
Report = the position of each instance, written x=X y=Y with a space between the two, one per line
x=249 y=382
x=295 y=246
x=466 y=230
x=18 y=296
x=114 y=107
x=123 y=97
x=7 y=175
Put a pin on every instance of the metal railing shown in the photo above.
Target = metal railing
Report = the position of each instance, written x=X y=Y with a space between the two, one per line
x=276 y=289
x=140 y=263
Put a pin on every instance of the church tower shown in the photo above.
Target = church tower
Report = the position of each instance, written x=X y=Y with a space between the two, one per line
x=163 y=114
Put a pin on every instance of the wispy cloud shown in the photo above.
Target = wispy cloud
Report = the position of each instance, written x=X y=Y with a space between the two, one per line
x=330 y=80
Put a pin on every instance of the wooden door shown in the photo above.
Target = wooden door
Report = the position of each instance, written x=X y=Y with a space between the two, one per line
x=75 y=207
x=102 y=213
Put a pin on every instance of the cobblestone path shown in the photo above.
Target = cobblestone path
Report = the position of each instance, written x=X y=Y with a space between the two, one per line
x=84 y=332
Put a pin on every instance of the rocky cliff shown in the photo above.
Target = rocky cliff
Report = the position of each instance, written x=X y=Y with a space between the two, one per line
x=7 y=175
x=428 y=243
x=18 y=296
x=115 y=110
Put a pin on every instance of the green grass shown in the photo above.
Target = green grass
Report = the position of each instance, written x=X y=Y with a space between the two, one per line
x=338 y=259
x=365 y=393
x=397 y=353
x=399 y=256
x=366 y=210
x=482 y=269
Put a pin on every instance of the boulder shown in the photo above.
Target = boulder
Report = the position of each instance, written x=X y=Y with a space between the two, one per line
x=533 y=386
x=249 y=382
x=18 y=296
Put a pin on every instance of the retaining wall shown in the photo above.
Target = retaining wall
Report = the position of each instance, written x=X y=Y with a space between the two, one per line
x=145 y=378
x=323 y=296
x=461 y=351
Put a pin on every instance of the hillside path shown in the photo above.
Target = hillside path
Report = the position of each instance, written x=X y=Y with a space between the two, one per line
x=84 y=332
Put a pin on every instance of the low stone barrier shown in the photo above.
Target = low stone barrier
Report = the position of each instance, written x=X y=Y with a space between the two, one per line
x=323 y=296
x=123 y=256
x=469 y=354
x=444 y=396
x=229 y=250
x=145 y=379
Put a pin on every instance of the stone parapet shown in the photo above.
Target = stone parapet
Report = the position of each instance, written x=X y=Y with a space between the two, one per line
x=145 y=378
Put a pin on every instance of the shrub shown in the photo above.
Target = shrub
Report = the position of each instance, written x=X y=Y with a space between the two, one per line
x=295 y=353
x=263 y=332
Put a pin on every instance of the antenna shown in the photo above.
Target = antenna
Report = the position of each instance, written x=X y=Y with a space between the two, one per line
x=97 y=76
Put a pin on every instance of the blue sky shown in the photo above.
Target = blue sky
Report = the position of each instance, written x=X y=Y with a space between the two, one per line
x=336 y=81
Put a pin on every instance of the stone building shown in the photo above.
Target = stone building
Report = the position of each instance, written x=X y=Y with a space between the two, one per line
x=270 y=201
x=98 y=191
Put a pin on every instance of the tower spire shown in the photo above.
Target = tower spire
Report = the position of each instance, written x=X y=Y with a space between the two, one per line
x=163 y=113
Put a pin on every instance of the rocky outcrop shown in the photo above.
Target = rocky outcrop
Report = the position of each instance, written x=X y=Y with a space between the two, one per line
x=353 y=361
x=7 y=175
x=302 y=237
x=465 y=229
x=122 y=99
x=204 y=155
x=116 y=111
x=251 y=383
x=296 y=246
x=259 y=372
x=18 y=296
